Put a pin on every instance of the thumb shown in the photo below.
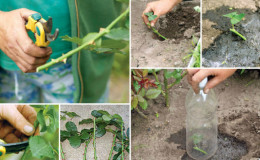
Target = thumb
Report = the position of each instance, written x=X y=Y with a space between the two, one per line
x=153 y=22
x=18 y=121
x=25 y=13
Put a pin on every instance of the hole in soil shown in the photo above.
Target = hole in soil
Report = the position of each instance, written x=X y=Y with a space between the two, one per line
x=229 y=50
x=228 y=146
x=184 y=20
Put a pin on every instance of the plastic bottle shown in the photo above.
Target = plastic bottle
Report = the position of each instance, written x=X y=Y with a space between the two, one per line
x=201 y=123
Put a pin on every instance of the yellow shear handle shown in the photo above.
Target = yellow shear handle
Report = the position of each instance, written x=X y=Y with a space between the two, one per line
x=36 y=27
x=2 y=149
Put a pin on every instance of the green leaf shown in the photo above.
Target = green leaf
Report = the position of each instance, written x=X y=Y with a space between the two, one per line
x=118 y=34
x=144 y=104
x=40 y=148
x=103 y=112
x=152 y=17
x=230 y=15
x=40 y=118
x=71 y=127
x=100 y=132
x=127 y=132
x=117 y=156
x=113 y=44
x=197 y=138
x=72 y=39
x=86 y=121
x=38 y=106
x=118 y=147
x=63 y=118
x=134 y=102
x=84 y=134
x=64 y=135
x=148 y=14
x=140 y=98
x=117 y=116
x=142 y=92
x=96 y=114
x=153 y=93
x=107 y=118
x=102 y=50
x=75 y=141
x=237 y=18
x=101 y=125
x=70 y=114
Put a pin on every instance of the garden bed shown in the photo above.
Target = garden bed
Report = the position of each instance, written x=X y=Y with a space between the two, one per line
x=179 y=26
x=222 y=48
x=239 y=122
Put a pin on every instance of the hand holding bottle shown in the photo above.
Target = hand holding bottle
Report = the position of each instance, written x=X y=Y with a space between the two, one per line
x=195 y=76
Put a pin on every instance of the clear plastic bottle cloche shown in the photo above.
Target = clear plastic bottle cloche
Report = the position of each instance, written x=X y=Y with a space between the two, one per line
x=201 y=123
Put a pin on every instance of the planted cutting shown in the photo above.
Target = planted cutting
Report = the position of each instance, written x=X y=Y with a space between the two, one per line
x=102 y=123
x=45 y=145
x=143 y=88
x=234 y=19
x=152 y=17
x=197 y=138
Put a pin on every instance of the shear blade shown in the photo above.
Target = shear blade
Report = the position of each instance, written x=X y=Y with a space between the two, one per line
x=51 y=37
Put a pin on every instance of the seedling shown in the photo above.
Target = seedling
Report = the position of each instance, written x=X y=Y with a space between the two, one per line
x=152 y=17
x=197 y=138
x=234 y=19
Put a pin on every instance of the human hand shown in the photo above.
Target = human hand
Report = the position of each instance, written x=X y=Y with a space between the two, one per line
x=16 y=122
x=16 y=44
x=195 y=76
x=159 y=8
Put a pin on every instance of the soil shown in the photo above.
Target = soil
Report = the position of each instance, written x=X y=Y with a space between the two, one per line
x=238 y=122
x=179 y=26
x=222 y=48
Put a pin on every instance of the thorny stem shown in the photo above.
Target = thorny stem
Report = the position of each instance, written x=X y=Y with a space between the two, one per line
x=140 y=113
x=157 y=80
x=62 y=153
x=156 y=31
x=70 y=53
x=112 y=148
x=122 y=134
x=86 y=147
x=166 y=88
x=94 y=139
x=171 y=85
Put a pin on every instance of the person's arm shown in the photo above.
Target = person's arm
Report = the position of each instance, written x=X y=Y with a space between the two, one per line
x=16 y=122
x=195 y=76
x=17 y=45
x=159 y=8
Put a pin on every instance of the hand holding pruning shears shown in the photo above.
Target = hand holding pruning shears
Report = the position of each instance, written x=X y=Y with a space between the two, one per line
x=16 y=124
x=195 y=76
x=17 y=45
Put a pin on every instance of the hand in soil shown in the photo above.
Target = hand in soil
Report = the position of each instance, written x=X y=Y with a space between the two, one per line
x=17 y=45
x=16 y=122
x=159 y=8
x=195 y=76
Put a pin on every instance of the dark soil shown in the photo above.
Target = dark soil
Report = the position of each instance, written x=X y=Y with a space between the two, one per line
x=174 y=25
x=229 y=147
x=228 y=49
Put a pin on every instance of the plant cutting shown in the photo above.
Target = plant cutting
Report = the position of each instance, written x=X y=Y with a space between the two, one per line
x=234 y=19
x=117 y=40
x=151 y=17
x=102 y=123
x=144 y=88
x=45 y=145
x=196 y=140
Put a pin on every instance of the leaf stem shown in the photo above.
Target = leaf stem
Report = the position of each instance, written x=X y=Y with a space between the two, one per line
x=99 y=35
x=61 y=152
x=166 y=88
x=112 y=148
x=237 y=33
x=156 y=31
x=85 y=152
x=140 y=113
x=157 y=80
x=122 y=134
x=94 y=139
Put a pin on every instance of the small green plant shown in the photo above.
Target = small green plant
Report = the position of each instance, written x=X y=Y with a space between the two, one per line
x=234 y=19
x=194 y=54
x=102 y=122
x=197 y=138
x=144 y=88
x=151 y=17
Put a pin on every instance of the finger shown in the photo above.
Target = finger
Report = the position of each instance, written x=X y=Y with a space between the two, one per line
x=25 y=13
x=18 y=133
x=5 y=130
x=28 y=112
x=24 y=138
x=17 y=120
x=153 y=22
x=200 y=75
x=212 y=83
x=11 y=138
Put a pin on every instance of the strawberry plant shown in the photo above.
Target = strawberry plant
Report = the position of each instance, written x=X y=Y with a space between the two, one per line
x=44 y=146
x=116 y=40
x=234 y=19
x=102 y=123
x=144 y=88
x=151 y=17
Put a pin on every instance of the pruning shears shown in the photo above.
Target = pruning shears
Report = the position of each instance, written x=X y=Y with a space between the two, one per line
x=12 y=147
x=41 y=29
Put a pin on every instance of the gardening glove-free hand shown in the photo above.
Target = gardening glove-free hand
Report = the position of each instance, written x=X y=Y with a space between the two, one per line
x=16 y=122
x=17 y=45
x=159 y=8
x=195 y=76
